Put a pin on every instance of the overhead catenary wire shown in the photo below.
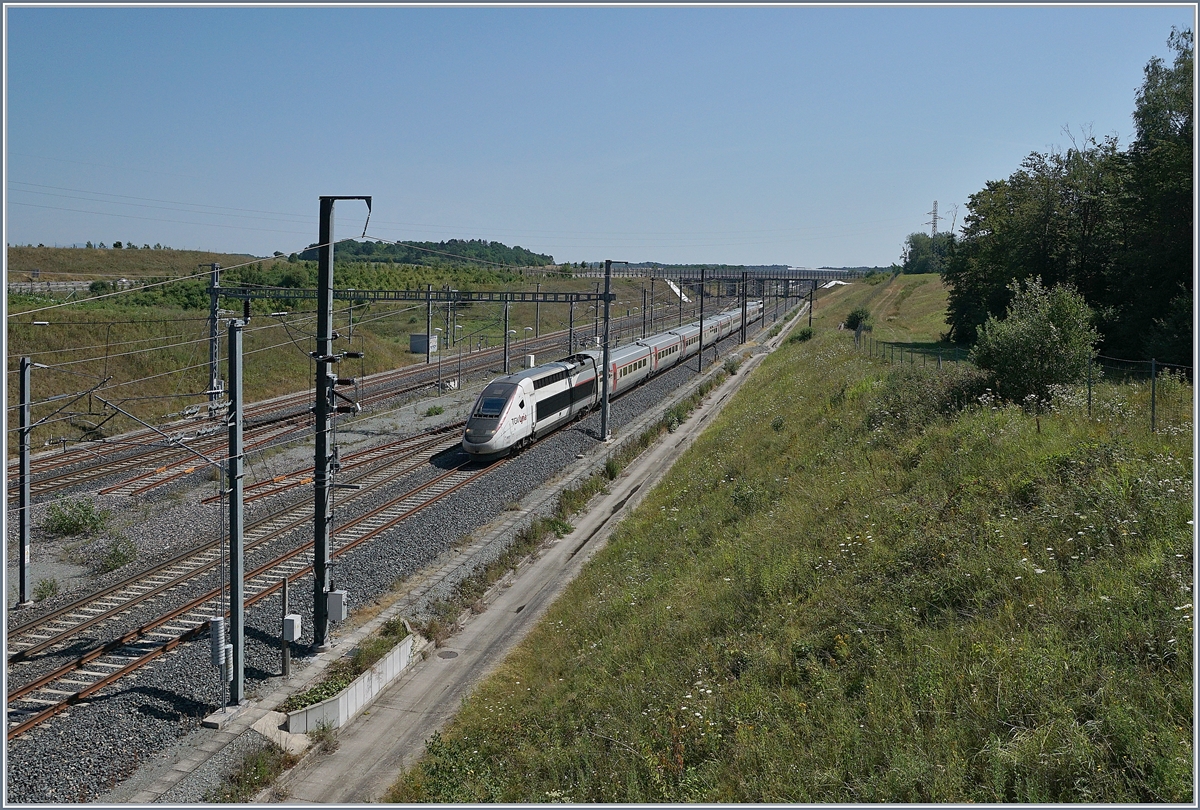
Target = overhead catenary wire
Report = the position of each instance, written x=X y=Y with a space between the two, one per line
x=101 y=346
x=458 y=228
x=115 y=323
x=153 y=219
x=203 y=340
x=203 y=365
x=180 y=370
x=297 y=218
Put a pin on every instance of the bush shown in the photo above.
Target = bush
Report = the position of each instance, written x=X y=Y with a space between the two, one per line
x=1045 y=339
x=325 y=737
x=434 y=410
x=259 y=769
x=915 y=396
x=802 y=335
x=120 y=551
x=44 y=589
x=70 y=517
x=858 y=315
x=732 y=364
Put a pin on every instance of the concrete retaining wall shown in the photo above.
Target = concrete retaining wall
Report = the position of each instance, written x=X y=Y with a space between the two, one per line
x=339 y=710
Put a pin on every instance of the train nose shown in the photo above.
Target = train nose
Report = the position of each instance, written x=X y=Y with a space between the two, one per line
x=478 y=434
x=479 y=440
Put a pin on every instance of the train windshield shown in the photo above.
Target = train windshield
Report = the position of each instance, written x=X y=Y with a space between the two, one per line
x=493 y=398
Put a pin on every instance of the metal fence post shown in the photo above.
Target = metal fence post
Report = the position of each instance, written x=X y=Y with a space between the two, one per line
x=1090 y=361
x=1153 y=395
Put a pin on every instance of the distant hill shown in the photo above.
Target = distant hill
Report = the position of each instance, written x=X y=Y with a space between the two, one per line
x=429 y=253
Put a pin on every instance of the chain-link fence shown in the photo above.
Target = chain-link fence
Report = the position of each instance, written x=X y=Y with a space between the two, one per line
x=1140 y=389
x=909 y=353
x=1158 y=395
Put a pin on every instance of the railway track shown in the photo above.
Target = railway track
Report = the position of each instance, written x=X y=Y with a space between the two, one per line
x=369 y=469
x=156 y=466
x=165 y=593
x=89 y=672
x=152 y=467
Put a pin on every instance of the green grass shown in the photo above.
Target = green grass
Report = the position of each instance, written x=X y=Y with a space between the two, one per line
x=840 y=595
x=902 y=308
x=117 y=552
x=84 y=264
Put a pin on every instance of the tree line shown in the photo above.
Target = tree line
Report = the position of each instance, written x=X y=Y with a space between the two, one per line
x=1115 y=225
x=432 y=253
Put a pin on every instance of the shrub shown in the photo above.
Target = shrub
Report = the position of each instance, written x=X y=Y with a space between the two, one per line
x=801 y=335
x=254 y=773
x=731 y=365
x=44 y=589
x=913 y=396
x=337 y=678
x=1046 y=338
x=120 y=551
x=434 y=410
x=858 y=315
x=70 y=517
x=325 y=737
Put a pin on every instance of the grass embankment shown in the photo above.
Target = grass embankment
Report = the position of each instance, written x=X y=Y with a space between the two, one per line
x=89 y=264
x=849 y=590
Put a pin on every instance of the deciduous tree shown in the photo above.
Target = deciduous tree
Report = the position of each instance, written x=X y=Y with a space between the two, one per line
x=1046 y=338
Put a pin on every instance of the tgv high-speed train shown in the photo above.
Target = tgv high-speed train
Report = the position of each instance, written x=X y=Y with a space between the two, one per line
x=515 y=410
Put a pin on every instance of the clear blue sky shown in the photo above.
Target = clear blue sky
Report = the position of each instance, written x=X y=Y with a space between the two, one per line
x=783 y=135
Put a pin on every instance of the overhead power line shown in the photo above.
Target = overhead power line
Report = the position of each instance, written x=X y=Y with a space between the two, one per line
x=299 y=217
x=153 y=219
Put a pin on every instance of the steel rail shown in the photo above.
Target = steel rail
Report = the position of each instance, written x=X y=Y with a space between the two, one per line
x=376 y=388
x=59 y=626
x=172 y=471
x=260 y=582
